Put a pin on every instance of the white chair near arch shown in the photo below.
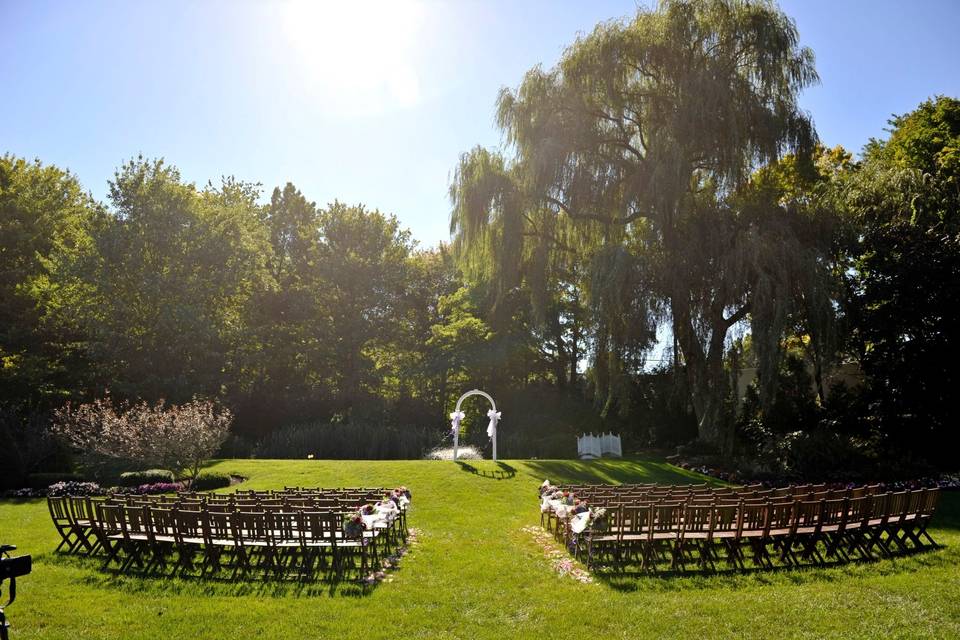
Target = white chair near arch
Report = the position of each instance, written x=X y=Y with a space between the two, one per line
x=590 y=447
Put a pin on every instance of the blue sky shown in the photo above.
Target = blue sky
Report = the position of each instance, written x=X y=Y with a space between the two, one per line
x=373 y=102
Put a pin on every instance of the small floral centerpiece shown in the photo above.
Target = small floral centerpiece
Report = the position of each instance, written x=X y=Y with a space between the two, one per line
x=353 y=527
x=598 y=519
x=568 y=498
x=367 y=510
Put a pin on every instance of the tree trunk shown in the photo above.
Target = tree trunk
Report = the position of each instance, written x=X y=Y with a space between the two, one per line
x=705 y=375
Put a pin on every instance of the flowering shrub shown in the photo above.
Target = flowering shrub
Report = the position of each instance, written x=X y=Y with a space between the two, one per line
x=25 y=493
x=157 y=487
x=75 y=489
x=167 y=436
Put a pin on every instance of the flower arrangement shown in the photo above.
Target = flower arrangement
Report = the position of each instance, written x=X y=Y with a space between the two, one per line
x=367 y=510
x=598 y=519
x=353 y=527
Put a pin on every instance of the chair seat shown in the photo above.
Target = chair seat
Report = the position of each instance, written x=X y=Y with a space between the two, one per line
x=222 y=542
x=665 y=535
x=696 y=535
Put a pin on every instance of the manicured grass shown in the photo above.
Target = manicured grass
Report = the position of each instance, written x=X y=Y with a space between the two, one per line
x=475 y=574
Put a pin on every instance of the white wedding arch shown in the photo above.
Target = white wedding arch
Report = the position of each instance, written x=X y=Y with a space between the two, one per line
x=459 y=415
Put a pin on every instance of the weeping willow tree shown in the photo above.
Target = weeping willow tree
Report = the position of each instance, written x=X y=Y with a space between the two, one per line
x=634 y=155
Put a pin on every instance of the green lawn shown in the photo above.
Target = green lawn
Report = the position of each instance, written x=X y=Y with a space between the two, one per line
x=475 y=573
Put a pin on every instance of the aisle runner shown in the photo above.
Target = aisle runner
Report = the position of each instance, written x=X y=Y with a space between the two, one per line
x=561 y=561
x=393 y=560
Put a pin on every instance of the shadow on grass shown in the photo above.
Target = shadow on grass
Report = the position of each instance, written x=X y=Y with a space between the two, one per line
x=912 y=562
x=609 y=471
x=503 y=471
x=222 y=583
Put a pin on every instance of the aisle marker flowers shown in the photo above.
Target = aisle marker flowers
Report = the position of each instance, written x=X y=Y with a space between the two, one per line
x=561 y=562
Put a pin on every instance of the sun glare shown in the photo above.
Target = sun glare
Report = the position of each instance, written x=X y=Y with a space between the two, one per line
x=360 y=56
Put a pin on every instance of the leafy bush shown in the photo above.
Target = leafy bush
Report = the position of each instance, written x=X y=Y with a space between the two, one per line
x=44 y=480
x=75 y=489
x=150 y=476
x=208 y=480
x=28 y=446
x=345 y=441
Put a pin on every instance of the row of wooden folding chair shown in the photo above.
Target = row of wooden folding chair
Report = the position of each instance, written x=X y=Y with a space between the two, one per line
x=277 y=542
x=840 y=526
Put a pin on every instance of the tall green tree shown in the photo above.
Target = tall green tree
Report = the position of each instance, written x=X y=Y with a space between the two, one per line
x=46 y=221
x=171 y=279
x=363 y=265
x=633 y=152
x=287 y=353
x=904 y=201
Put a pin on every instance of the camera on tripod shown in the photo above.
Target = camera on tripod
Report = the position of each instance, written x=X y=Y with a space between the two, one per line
x=11 y=568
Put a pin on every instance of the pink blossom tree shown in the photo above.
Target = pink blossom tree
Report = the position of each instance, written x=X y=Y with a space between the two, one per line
x=177 y=437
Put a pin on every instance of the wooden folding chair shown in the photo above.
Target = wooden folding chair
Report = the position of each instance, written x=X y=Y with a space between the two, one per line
x=188 y=537
x=81 y=513
x=897 y=505
x=250 y=537
x=318 y=542
x=284 y=539
x=833 y=523
x=218 y=540
x=664 y=531
x=855 y=523
x=930 y=499
x=603 y=544
x=752 y=529
x=70 y=534
x=725 y=532
x=804 y=531
x=778 y=528
x=351 y=547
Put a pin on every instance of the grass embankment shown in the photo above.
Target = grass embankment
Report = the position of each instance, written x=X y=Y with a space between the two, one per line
x=475 y=573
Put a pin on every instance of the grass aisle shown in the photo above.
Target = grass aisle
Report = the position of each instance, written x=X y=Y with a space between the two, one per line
x=475 y=573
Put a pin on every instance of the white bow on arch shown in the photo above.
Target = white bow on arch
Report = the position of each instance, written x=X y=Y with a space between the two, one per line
x=455 y=419
x=494 y=419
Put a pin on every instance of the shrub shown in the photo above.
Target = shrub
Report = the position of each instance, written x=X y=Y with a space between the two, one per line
x=168 y=436
x=44 y=480
x=75 y=489
x=158 y=487
x=150 y=476
x=348 y=441
x=208 y=480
